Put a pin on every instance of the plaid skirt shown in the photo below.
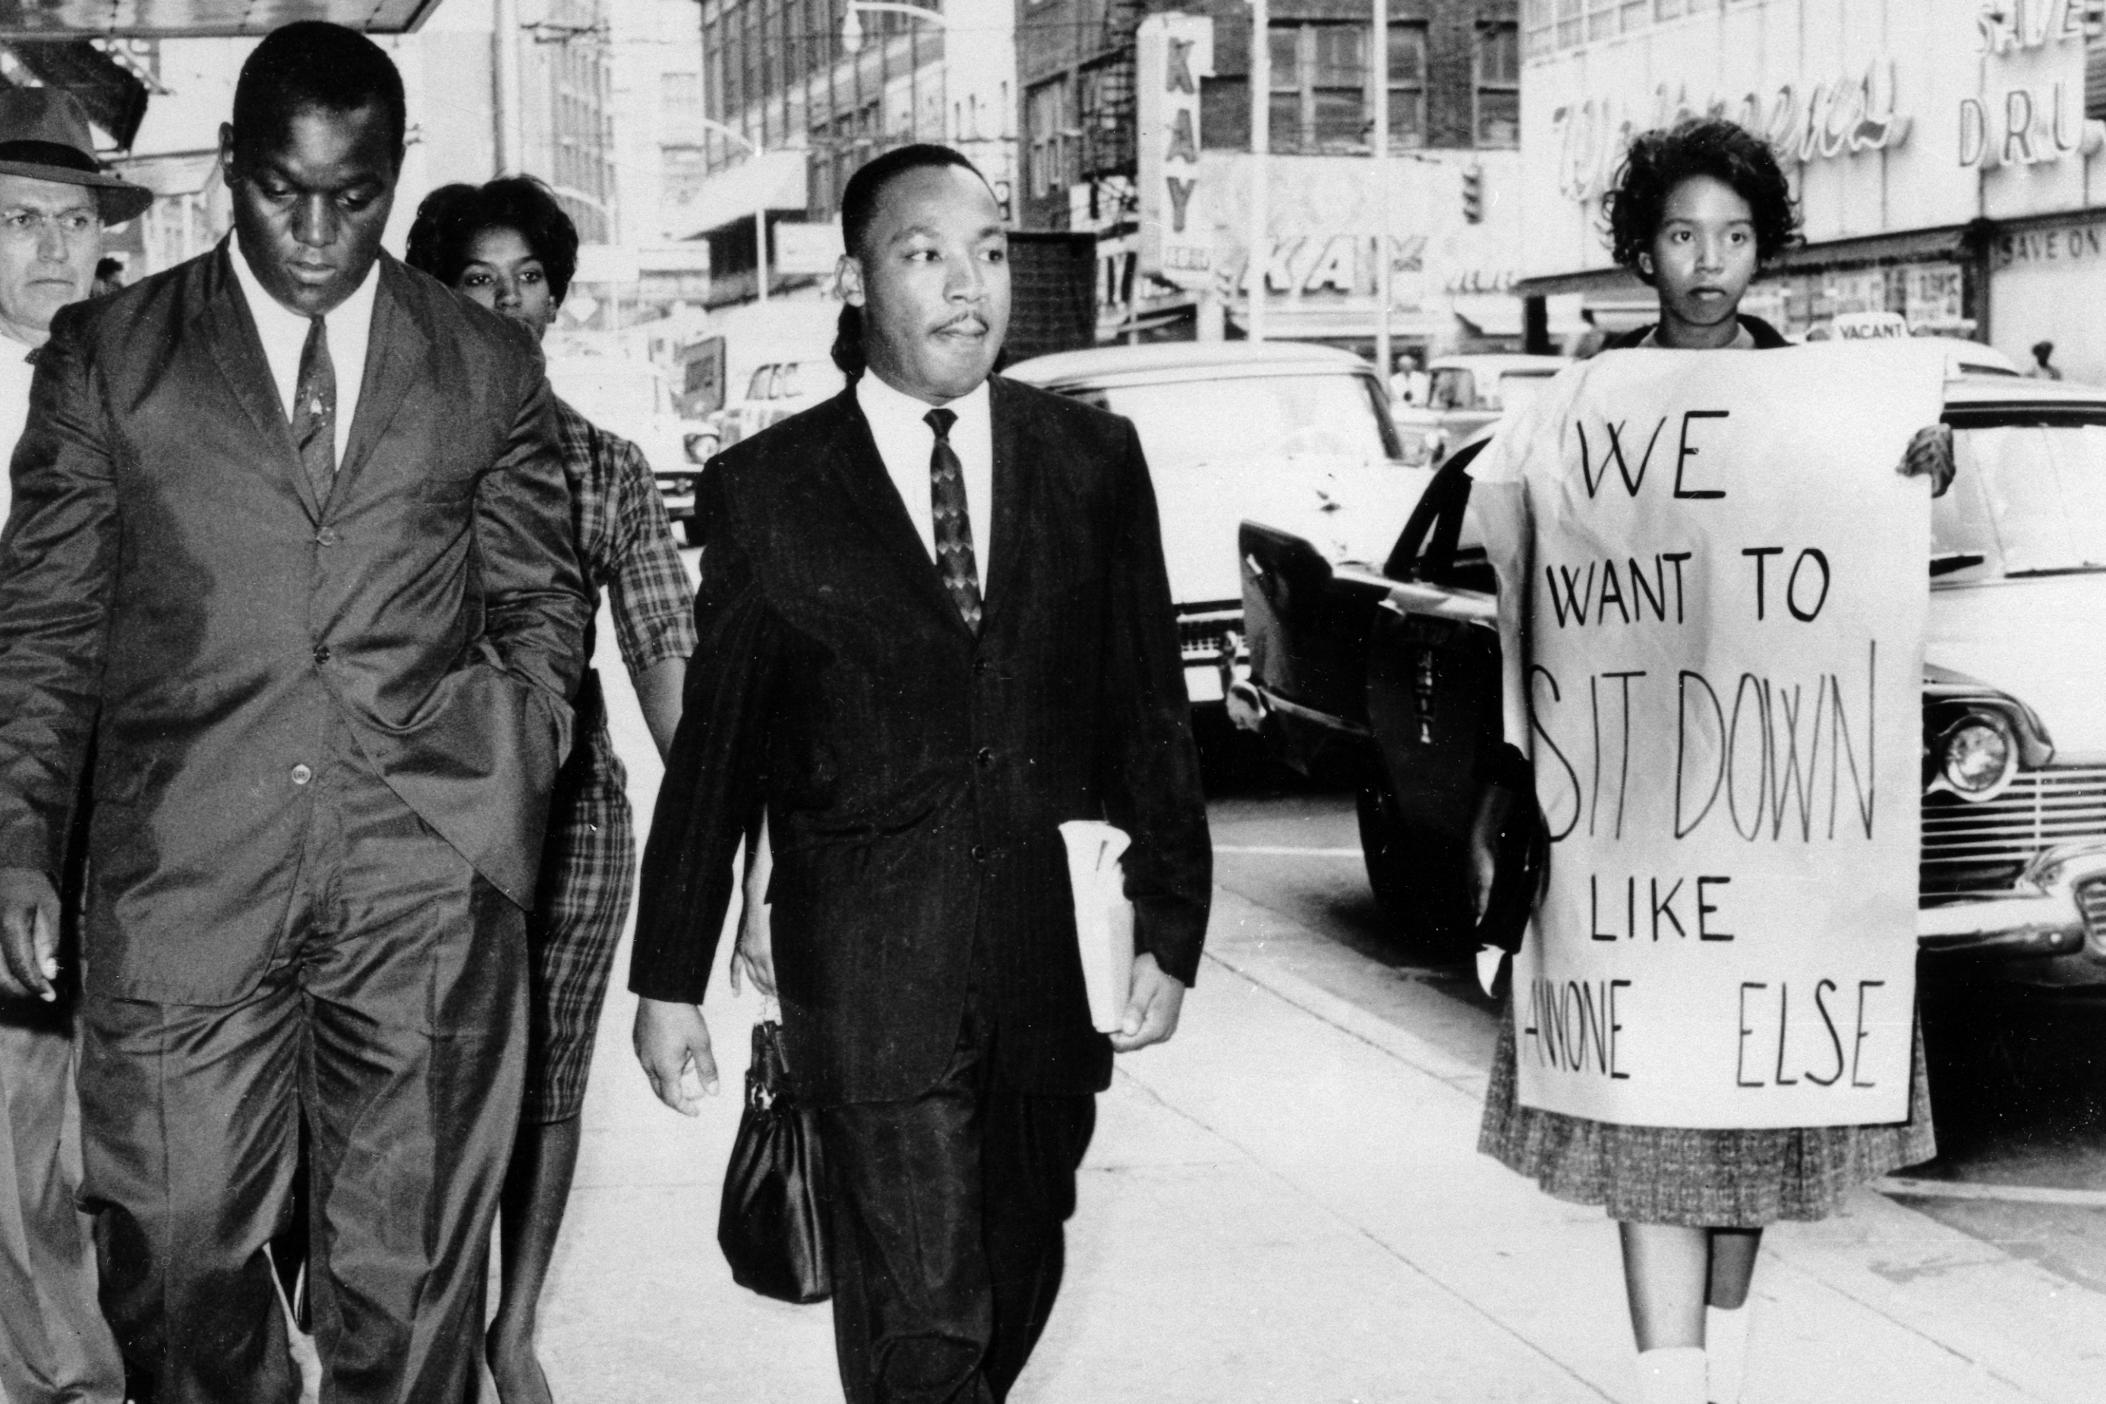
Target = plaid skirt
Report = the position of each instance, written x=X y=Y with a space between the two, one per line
x=1692 y=1177
x=588 y=869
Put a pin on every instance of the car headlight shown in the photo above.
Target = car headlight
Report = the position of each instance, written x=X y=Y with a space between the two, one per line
x=1978 y=755
x=700 y=447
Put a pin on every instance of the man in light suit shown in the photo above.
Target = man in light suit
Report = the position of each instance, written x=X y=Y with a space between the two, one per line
x=934 y=624
x=290 y=550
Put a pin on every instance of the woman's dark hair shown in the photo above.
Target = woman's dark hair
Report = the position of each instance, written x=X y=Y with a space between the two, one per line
x=859 y=207
x=310 y=64
x=1659 y=161
x=453 y=216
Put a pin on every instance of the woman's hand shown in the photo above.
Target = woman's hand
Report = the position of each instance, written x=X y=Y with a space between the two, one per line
x=1929 y=455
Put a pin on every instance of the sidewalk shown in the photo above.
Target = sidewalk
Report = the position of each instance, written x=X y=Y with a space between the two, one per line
x=1286 y=1204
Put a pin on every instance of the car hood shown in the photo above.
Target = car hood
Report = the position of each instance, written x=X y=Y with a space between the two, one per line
x=1349 y=510
x=2034 y=639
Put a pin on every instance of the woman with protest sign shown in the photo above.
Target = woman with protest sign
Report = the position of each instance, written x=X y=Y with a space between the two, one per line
x=1696 y=211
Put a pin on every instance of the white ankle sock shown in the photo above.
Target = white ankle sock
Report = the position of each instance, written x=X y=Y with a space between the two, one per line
x=1671 y=1376
x=1726 y=1351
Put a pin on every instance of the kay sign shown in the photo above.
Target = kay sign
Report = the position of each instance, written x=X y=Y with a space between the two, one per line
x=1172 y=53
x=1726 y=590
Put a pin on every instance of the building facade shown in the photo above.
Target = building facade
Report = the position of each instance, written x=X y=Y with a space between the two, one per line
x=1946 y=153
x=1137 y=120
x=814 y=88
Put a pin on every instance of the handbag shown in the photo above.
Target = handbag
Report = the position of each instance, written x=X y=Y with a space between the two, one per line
x=772 y=1221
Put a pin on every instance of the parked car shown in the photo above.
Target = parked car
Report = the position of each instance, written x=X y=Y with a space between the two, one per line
x=1386 y=675
x=633 y=399
x=1293 y=433
x=776 y=390
x=1962 y=355
x=1464 y=394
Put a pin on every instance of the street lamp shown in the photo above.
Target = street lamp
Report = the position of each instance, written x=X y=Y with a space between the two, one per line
x=852 y=28
x=760 y=203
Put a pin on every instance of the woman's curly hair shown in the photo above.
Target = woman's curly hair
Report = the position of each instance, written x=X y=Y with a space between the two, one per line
x=1658 y=161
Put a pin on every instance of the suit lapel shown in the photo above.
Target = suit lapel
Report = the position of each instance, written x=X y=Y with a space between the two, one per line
x=395 y=348
x=1011 y=506
x=231 y=333
x=873 y=499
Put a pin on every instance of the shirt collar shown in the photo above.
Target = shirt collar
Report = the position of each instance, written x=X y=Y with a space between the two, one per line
x=899 y=411
x=355 y=310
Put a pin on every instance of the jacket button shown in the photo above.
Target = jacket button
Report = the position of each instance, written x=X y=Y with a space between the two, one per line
x=984 y=758
x=321 y=653
x=978 y=852
x=301 y=775
x=980 y=667
x=327 y=536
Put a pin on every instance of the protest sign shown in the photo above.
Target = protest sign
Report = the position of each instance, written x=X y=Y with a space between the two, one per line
x=1723 y=585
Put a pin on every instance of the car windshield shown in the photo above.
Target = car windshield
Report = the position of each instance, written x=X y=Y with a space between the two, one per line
x=1516 y=388
x=2028 y=499
x=1198 y=421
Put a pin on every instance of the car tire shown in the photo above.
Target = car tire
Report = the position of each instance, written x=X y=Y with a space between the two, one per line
x=1417 y=876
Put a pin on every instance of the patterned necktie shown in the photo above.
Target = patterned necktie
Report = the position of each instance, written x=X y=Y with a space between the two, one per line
x=314 y=411
x=954 y=528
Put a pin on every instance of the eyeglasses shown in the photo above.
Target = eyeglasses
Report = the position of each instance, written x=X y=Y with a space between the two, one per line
x=17 y=223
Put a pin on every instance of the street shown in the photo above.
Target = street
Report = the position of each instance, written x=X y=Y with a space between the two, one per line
x=1286 y=1204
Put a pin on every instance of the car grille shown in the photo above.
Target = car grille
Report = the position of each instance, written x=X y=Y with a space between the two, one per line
x=2091 y=900
x=1200 y=628
x=1980 y=847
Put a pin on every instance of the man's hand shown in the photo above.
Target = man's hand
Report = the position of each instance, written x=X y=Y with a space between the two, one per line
x=28 y=934
x=1152 y=1004
x=672 y=1043
x=755 y=951
x=1929 y=455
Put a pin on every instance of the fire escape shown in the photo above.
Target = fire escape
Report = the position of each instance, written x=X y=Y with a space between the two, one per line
x=1107 y=101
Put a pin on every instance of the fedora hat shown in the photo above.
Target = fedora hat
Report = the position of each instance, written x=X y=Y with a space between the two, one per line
x=44 y=136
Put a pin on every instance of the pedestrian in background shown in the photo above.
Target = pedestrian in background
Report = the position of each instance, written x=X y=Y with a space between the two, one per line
x=55 y=1348
x=935 y=623
x=510 y=247
x=1695 y=212
x=2040 y=369
x=317 y=613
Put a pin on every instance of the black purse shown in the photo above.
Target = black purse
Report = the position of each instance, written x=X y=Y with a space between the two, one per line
x=772 y=1221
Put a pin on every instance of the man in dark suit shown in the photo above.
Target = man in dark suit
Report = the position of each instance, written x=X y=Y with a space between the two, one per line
x=290 y=551
x=934 y=624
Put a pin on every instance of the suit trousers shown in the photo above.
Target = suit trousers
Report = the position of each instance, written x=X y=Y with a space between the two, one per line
x=391 y=1021
x=948 y=1214
x=55 y=1347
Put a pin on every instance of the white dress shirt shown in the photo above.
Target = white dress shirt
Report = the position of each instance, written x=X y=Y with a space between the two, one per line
x=905 y=441
x=15 y=374
x=284 y=335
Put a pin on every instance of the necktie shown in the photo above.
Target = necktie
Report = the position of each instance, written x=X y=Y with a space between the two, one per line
x=954 y=528
x=314 y=411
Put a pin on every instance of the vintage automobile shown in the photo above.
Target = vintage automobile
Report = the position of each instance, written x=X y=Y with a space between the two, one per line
x=633 y=398
x=1465 y=393
x=775 y=391
x=1385 y=670
x=1293 y=434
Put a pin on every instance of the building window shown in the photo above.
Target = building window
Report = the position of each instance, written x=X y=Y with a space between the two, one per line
x=1498 y=85
x=1319 y=87
x=1407 y=85
x=1050 y=130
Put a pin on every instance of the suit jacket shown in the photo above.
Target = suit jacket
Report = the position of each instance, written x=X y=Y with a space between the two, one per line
x=173 y=594
x=913 y=772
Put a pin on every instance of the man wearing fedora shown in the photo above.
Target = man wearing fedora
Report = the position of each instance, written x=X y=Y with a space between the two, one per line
x=55 y=201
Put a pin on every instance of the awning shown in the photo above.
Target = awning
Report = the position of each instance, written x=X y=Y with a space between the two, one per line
x=1492 y=315
x=1342 y=321
x=171 y=173
x=200 y=19
x=773 y=180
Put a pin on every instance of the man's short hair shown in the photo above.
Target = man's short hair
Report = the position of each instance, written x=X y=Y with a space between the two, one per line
x=314 y=64
x=859 y=207
x=454 y=216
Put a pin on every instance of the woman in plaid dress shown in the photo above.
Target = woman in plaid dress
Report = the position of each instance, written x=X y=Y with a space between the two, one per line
x=510 y=247
x=1696 y=210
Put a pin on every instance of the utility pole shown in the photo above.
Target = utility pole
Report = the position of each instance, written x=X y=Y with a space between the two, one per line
x=1260 y=216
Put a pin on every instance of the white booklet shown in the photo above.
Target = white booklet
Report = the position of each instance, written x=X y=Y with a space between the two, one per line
x=1103 y=916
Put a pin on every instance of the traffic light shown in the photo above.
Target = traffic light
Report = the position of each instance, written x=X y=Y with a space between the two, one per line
x=1473 y=194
